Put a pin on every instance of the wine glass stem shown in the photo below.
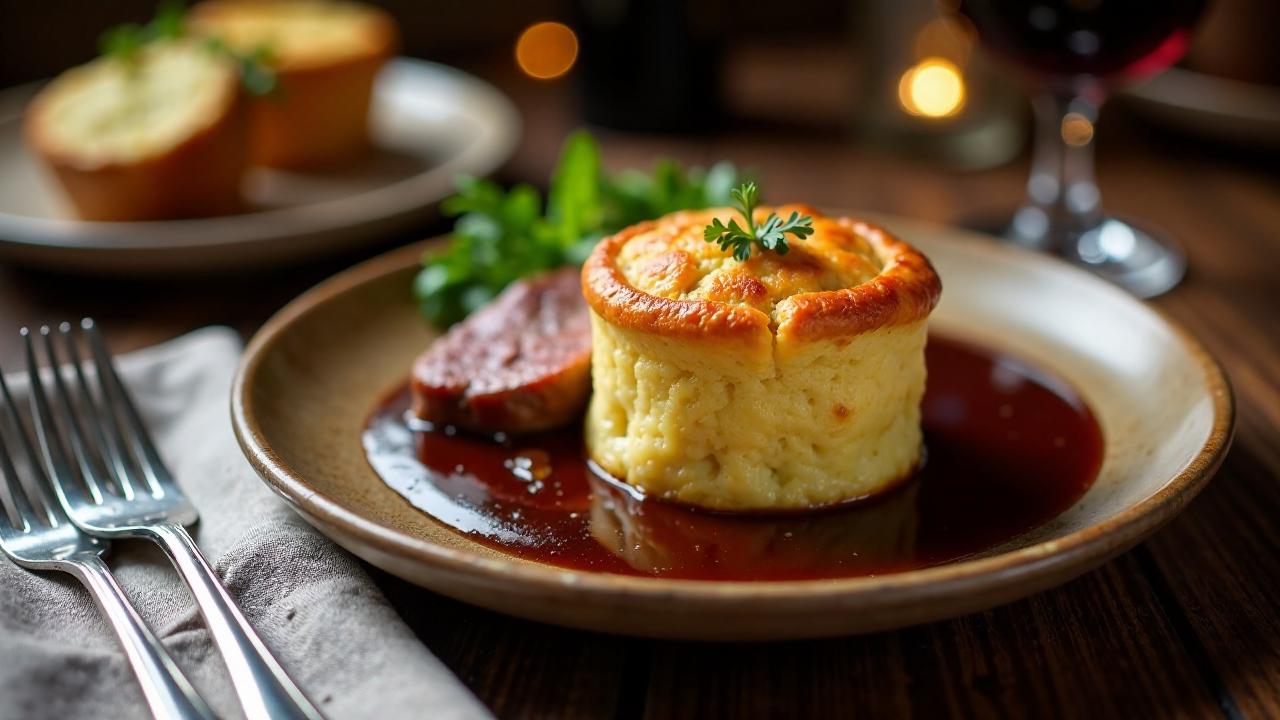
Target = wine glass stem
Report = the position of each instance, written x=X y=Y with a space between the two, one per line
x=1062 y=197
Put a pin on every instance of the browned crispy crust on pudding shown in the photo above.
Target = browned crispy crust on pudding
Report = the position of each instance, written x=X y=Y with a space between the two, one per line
x=903 y=289
x=519 y=364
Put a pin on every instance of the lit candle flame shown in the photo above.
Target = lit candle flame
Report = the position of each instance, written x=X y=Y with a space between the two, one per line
x=932 y=88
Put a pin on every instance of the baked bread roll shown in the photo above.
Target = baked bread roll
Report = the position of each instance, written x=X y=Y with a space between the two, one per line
x=160 y=135
x=783 y=382
x=325 y=55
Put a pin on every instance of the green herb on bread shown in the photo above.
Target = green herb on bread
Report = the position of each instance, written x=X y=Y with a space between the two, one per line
x=125 y=42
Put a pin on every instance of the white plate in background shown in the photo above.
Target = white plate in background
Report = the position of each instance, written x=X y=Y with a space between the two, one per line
x=429 y=124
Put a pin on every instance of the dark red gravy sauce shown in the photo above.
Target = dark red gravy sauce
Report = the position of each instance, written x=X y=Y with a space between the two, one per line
x=1009 y=447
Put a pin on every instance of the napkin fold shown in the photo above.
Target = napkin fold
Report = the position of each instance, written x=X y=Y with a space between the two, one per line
x=312 y=602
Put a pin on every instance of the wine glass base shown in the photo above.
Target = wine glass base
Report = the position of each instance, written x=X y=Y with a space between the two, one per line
x=1143 y=261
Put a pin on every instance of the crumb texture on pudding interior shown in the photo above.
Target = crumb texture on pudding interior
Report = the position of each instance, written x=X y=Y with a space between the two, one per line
x=712 y=427
x=783 y=382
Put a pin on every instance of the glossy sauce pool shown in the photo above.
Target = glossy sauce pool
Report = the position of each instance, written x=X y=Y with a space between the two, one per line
x=1008 y=448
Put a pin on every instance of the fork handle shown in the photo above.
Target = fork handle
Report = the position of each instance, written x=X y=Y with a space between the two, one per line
x=167 y=691
x=264 y=688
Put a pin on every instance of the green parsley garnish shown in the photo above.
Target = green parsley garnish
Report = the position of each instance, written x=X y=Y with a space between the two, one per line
x=770 y=234
x=125 y=42
x=503 y=235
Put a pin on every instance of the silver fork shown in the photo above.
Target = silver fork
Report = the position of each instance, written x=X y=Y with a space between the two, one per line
x=36 y=534
x=128 y=492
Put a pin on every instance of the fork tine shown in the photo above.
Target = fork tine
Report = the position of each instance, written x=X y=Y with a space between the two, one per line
x=154 y=468
x=112 y=448
x=47 y=434
x=16 y=507
x=28 y=499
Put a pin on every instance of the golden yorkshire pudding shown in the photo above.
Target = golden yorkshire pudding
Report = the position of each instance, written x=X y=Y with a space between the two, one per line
x=782 y=382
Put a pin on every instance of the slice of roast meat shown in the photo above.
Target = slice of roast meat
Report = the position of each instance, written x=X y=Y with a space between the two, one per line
x=519 y=364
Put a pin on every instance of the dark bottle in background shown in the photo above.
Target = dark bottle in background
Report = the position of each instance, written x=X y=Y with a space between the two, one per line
x=651 y=65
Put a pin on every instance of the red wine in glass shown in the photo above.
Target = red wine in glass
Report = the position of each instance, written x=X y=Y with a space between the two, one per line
x=1114 y=41
x=1072 y=53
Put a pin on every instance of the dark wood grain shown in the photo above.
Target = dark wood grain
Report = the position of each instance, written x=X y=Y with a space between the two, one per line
x=521 y=669
x=1080 y=651
x=1187 y=625
x=1221 y=559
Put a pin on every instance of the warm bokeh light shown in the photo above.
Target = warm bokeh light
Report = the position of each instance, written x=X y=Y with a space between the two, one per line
x=1076 y=129
x=546 y=50
x=933 y=88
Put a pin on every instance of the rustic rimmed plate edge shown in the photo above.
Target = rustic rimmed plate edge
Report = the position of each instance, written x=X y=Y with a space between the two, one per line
x=888 y=601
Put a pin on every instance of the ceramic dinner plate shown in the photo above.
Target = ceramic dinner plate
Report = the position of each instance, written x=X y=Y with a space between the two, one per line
x=429 y=124
x=312 y=375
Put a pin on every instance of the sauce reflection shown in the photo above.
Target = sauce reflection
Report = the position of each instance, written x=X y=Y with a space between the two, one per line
x=657 y=538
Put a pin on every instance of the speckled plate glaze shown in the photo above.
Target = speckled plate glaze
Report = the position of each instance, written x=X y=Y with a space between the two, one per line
x=312 y=374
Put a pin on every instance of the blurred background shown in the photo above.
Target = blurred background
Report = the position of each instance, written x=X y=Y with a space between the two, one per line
x=867 y=79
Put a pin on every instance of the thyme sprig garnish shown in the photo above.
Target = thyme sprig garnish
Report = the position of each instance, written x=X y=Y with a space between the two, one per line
x=770 y=234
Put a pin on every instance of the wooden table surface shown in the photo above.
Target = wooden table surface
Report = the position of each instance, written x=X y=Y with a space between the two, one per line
x=1186 y=624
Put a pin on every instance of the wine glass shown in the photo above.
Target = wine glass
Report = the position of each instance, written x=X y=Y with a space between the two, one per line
x=1072 y=53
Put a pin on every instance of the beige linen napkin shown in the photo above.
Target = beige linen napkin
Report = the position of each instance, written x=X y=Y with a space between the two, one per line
x=312 y=602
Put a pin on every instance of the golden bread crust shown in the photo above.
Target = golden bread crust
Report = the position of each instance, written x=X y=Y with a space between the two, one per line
x=318 y=118
x=288 y=30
